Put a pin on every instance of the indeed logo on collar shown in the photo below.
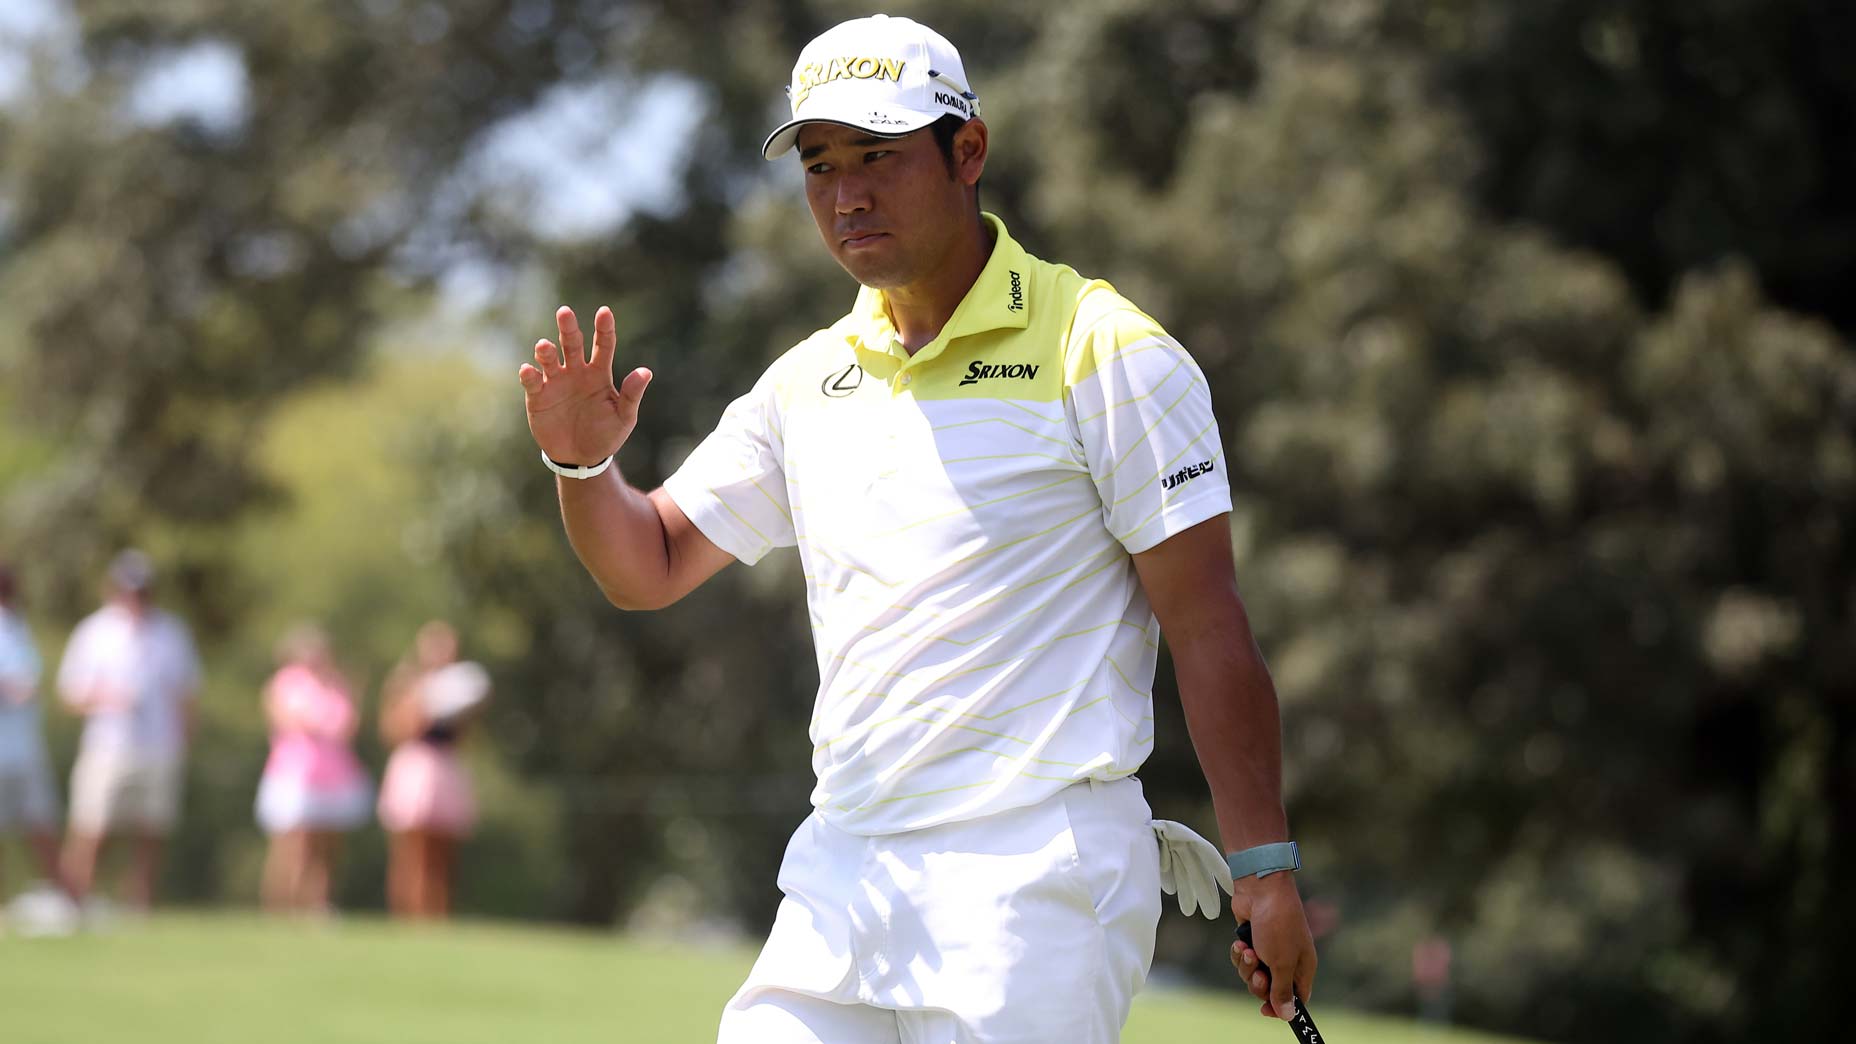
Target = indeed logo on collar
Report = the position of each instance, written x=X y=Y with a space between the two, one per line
x=979 y=371
x=1018 y=294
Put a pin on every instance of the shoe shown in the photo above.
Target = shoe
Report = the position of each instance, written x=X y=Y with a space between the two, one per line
x=43 y=912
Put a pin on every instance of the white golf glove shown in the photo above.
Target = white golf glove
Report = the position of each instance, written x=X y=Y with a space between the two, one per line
x=1193 y=869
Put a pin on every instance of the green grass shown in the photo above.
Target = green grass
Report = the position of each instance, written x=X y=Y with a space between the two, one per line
x=201 y=979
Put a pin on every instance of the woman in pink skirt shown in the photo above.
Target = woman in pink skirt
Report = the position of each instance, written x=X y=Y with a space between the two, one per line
x=426 y=803
x=314 y=788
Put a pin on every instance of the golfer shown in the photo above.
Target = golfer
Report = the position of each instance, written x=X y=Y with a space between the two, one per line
x=998 y=474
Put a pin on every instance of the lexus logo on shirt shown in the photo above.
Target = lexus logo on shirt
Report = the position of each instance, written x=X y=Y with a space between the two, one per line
x=840 y=383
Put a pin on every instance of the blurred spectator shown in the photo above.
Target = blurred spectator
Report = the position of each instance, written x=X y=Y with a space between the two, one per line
x=426 y=802
x=1430 y=975
x=131 y=671
x=314 y=788
x=28 y=801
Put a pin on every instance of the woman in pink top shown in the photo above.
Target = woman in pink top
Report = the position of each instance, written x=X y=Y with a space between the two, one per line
x=426 y=800
x=313 y=788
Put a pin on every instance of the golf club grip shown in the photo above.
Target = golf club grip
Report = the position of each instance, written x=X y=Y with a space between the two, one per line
x=1303 y=1024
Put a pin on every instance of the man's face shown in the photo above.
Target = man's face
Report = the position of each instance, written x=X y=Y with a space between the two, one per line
x=889 y=209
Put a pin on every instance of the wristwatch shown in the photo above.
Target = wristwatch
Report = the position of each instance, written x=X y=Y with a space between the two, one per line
x=1264 y=860
x=575 y=471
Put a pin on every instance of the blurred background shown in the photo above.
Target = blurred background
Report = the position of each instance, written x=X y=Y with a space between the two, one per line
x=1529 y=326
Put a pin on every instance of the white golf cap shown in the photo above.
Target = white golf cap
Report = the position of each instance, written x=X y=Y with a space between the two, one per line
x=889 y=76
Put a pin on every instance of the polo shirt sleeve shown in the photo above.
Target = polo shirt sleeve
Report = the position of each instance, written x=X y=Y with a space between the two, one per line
x=1143 y=413
x=733 y=486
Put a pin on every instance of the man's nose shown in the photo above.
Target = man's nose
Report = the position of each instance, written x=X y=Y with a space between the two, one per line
x=853 y=194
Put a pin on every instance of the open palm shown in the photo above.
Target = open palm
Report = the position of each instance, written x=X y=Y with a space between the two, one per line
x=575 y=412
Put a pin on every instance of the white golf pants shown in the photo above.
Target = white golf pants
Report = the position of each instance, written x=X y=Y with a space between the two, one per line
x=1030 y=926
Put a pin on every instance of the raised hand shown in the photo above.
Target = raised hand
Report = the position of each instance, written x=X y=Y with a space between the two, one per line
x=575 y=412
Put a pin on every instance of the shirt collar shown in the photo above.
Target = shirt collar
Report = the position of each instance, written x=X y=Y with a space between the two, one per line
x=1000 y=299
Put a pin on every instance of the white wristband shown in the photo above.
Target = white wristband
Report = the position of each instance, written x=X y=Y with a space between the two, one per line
x=576 y=473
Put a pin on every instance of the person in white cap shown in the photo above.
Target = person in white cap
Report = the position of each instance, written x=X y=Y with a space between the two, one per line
x=130 y=669
x=1004 y=480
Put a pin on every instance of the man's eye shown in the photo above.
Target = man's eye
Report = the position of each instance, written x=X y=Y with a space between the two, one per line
x=877 y=155
x=818 y=168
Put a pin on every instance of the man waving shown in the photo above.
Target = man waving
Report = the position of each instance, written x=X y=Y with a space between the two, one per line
x=1005 y=481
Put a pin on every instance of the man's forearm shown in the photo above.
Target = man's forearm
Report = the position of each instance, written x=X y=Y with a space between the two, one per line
x=618 y=535
x=1236 y=730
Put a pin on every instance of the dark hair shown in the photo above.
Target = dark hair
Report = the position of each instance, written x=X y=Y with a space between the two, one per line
x=944 y=130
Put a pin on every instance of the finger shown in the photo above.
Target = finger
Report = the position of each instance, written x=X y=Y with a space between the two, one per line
x=547 y=358
x=1305 y=978
x=1243 y=958
x=1202 y=887
x=1282 y=994
x=531 y=378
x=1260 y=986
x=605 y=338
x=573 y=345
x=631 y=390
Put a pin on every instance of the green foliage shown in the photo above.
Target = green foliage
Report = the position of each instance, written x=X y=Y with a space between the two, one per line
x=1544 y=494
x=165 y=283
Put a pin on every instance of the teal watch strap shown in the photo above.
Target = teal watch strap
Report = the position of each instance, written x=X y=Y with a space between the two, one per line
x=1264 y=860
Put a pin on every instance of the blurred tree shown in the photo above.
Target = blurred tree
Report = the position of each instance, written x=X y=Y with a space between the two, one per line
x=209 y=206
x=1671 y=136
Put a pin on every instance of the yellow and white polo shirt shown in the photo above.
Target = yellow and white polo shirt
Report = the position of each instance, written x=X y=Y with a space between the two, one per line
x=965 y=518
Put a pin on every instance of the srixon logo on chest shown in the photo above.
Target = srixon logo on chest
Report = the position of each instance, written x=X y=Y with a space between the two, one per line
x=979 y=371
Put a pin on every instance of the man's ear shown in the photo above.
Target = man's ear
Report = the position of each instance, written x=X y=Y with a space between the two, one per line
x=970 y=151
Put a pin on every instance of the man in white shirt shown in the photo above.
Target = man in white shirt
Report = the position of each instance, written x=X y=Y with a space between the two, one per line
x=1003 y=480
x=131 y=671
x=28 y=802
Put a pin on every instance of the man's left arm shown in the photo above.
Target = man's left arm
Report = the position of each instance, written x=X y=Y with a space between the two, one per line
x=1236 y=730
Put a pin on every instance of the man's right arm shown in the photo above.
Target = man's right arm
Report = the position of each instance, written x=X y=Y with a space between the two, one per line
x=640 y=547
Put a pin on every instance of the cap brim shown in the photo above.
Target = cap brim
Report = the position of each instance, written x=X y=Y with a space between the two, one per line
x=894 y=125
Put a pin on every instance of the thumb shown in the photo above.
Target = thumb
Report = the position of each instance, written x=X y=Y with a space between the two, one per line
x=1282 y=995
x=631 y=390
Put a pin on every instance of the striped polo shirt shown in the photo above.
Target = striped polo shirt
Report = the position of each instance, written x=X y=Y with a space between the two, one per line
x=965 y=518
